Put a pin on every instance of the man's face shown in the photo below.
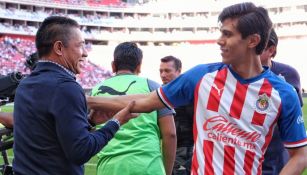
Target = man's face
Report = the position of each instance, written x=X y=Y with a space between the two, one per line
x=74 y=53
x=168 y=71
x=233 y=47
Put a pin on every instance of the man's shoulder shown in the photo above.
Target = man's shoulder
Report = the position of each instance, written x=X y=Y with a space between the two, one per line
x=278 y=68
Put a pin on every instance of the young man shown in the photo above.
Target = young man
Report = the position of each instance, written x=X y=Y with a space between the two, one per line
x=51 y=129
x=170 y=69
x=135 y=149
x=276 y=155
x=237 y=102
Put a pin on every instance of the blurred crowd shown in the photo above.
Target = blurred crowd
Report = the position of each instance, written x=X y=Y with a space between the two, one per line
x=14 y=52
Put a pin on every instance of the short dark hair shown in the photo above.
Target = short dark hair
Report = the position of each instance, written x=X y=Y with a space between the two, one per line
x=127 y=56
x=273 y=41
x=177 y=62
x=53 y=28
x=251 y=20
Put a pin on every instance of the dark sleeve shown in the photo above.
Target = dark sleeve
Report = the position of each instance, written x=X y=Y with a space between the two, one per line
x=164 y=111
x=72 y=128
x=291 y=76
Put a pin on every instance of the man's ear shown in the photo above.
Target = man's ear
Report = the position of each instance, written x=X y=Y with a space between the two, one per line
x=253 y=40
x=58 y=47
x=138 y=68
x=113 y=67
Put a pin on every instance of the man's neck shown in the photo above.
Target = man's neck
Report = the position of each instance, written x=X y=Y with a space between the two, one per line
x=248 y=69
x=124 y=72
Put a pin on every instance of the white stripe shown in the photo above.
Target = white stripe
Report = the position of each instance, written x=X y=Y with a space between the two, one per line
x=295 y=145
x=161 y=97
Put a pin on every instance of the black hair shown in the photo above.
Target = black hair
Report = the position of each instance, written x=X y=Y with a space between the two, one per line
x=127 y=56
x=273 y=39
x=53 y=28
x=177 y=62
x=251 y=20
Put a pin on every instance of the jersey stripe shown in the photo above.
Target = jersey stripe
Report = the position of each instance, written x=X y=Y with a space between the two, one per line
x=208 y=151
x=238 y=100
x=229 y=160
x=295 y=144
x=195 y=164
x=258 y=118
x=217 y=90
x=248 y=162
x=164 y=99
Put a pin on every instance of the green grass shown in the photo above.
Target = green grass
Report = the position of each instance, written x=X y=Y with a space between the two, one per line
x=90 y=167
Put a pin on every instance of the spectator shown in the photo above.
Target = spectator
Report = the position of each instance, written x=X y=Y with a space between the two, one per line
x=170 y=68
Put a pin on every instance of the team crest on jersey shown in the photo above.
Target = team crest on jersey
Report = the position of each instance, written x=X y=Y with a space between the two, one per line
x=262 y=103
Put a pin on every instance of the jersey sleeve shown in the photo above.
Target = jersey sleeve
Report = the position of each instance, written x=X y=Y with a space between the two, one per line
x=180 y=91
x=164 y=111
x=291 y=122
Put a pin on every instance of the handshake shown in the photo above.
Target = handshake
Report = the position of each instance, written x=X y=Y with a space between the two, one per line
x=100 y=114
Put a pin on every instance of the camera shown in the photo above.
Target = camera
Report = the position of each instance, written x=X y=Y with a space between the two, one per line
x=9 y=82
x=8 y=85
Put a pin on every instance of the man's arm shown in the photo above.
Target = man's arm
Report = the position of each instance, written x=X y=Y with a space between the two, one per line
x=169 y=142
x=297 y=162
x=6 y=119
x=143 y=102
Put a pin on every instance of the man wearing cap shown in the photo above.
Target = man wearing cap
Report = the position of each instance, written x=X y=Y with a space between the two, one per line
x=276 y=155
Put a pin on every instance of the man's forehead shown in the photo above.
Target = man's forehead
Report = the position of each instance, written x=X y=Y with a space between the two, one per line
x=229 y=24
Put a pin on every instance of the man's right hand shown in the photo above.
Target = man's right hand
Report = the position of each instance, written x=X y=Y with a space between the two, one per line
x=124 y=115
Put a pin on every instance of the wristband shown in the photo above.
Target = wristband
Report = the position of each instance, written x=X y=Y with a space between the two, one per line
x=116 y=121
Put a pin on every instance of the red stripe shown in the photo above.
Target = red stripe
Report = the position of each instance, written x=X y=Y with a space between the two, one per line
x=217 y=90
x=293 y=143
x=248 y=162
x=238 y=100
x=195 y=164
x=268 y=137
x=258 y=118
x=208 y=151
x=165 y=98
x=229 y=160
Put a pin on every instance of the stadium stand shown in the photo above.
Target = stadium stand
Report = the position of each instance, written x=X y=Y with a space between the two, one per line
x=108 y=22
x=15 y=50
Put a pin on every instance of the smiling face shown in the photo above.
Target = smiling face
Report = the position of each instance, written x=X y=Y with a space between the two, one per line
x=233 y=47
x=168 y=71
x=74 y=52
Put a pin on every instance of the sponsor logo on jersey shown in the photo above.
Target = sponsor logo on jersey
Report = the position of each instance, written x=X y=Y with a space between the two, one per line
x=220 y=129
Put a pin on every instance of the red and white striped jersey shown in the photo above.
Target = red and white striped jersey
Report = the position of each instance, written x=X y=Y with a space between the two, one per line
x=234 y=117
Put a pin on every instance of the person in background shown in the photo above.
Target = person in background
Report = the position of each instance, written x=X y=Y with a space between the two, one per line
x=136 y=149
x=52 y=134
x=170 y=69
x=276 y=155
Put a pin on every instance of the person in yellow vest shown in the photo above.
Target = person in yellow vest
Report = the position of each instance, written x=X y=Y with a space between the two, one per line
x=136 y=147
